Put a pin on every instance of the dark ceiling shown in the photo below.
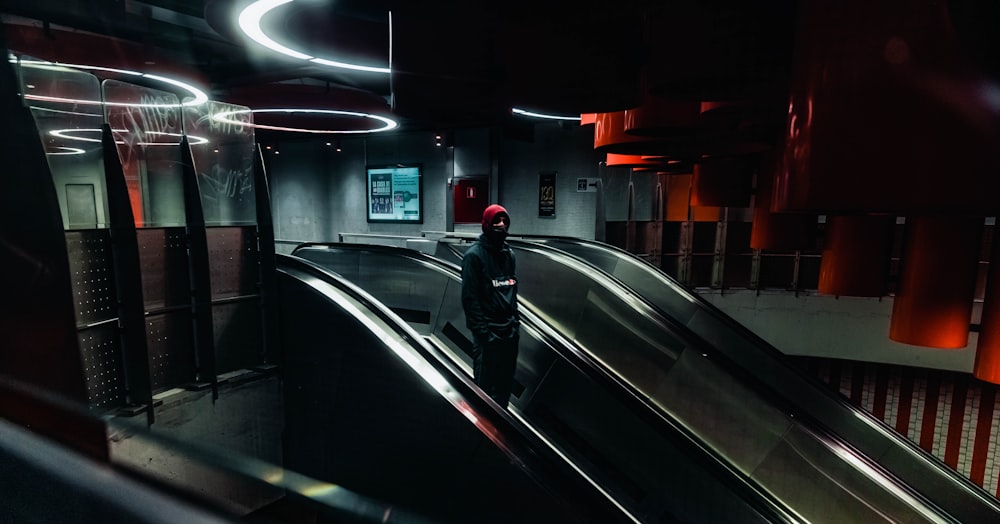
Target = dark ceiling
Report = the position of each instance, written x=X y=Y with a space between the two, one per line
x=466 y=63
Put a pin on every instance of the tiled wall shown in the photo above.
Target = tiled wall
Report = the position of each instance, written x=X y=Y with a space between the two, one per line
x=952 y=415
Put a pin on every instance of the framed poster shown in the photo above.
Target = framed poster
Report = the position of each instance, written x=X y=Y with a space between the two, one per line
x=547 y=194
x=394 y=194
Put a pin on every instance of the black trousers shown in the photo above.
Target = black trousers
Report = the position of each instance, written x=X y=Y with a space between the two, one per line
x=493 y=365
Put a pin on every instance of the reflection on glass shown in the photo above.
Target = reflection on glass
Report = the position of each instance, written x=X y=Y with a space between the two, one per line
x=224 y=162
x=724 y=409
x=76 y=166
x=146 y=124
x=194 y=95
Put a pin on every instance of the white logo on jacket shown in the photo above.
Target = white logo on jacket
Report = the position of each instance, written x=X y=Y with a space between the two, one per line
x=504 y=283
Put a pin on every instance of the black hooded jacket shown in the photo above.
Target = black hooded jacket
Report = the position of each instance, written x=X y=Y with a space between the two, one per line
x=489 y=289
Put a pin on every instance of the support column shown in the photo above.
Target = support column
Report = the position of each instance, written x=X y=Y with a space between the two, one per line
x=987 y=366
x=933 y=304
x=856 y=255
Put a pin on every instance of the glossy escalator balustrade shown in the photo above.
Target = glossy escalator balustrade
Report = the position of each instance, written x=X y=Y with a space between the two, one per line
x=368 y=405
x=636 y=407
x=725 y=337
x=764 y=436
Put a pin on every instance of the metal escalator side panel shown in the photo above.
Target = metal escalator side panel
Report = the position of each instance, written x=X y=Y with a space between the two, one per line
x=923 y=471
x=366 y=409
x=752 y=418
x=610 y=436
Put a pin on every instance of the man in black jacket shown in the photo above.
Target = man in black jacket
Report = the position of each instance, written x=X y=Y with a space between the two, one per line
x=489 y=297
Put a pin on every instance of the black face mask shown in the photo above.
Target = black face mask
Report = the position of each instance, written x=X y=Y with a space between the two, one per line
x=496 y=233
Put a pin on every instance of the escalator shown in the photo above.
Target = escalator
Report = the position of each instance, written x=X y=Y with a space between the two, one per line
x=671 y=436
x=730 y=340
x=370 y=406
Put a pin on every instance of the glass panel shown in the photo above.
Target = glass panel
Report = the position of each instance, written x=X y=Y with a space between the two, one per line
x=672 y=237
x=776 y=271
x=702 y=271
x=146 y=125
x=222 y=144
x=725 y=412
x=569 y=408
x=666 y=294
x=615 y=185
x=66 y=106
x=644 y=205
x=739 y=256
x=81 y=206
x=751 y=354
x=703 y=238
x=726 y=408
x=809 y=272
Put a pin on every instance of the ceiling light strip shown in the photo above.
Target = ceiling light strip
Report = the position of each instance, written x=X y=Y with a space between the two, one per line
x=72 y=134
x=225 y=117
x=198 y=96
x=522 y=112
x=249 y=22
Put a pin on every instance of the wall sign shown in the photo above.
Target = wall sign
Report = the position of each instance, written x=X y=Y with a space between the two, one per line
x=547 y=194
x=586 y=185
x=394 y=194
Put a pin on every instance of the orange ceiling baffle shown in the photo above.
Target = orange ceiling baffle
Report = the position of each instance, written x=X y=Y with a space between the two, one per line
x=881 y=103
x=933 y=304
x=677 y=197
x=612 y=159
x=610 y=137
x=856 y=255
x=777 y=231
x=664 y=118
x=987 y=366
x=679 y=205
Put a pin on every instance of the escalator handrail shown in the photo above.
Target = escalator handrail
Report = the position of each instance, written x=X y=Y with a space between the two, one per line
x=638 y=401
x=819 y=427
x=520 y=445
x=825 y=434
x=566 y=348
x=779 y=358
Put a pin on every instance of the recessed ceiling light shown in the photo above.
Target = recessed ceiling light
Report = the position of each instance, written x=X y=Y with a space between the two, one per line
x=249 y=22
x=226 y=117
x=522 y=112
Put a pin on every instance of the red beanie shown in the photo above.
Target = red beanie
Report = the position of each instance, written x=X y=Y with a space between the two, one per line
x=491 y=213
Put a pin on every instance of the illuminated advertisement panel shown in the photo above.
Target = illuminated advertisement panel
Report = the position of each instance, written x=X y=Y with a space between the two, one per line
x=394 y=194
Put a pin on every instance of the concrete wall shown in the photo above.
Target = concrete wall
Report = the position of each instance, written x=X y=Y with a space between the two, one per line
x=850 y=328
x=567 y=150
x=317 y=192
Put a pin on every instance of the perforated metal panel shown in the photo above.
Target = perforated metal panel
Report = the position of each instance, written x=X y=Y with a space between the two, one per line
x=165 y=276
x=92 y=273
x=171 y=349
x=100 y=348
x=233 y=261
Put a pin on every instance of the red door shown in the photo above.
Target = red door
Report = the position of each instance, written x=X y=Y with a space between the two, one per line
x=471 y=196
